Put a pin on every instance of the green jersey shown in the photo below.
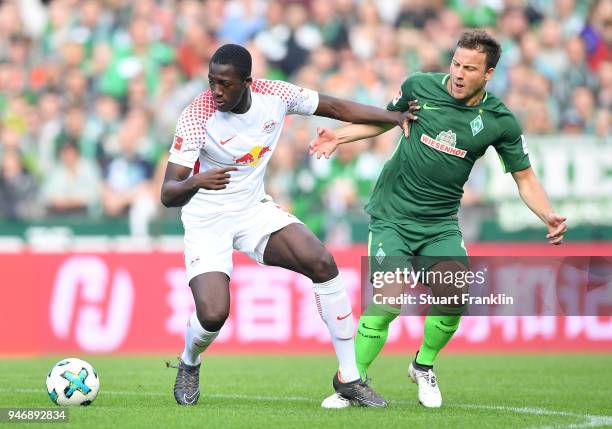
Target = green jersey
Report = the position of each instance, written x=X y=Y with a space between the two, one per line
x=425 y=176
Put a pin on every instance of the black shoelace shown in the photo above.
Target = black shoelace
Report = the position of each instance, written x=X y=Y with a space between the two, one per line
x=187 y=378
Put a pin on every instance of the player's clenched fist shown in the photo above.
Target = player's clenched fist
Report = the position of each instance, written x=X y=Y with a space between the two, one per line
x=215 y=179
x=407 y=116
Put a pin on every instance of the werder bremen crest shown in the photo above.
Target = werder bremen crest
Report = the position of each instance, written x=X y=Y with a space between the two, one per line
x=380 y=255
x=448 y=138
x=477 y=125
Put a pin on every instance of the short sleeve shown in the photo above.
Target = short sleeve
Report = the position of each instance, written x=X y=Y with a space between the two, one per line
x=298 y=100
x=190 y=133
x=400 y=102
x=512 y=148
x=304 y=102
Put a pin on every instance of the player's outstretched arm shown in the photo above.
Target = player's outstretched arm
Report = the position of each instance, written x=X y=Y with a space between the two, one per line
x=349 y=111
x=326 y=141
x=534 y=196
x=179 y=186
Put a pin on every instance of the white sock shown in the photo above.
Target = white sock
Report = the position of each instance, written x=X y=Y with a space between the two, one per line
x=197 y=339
x=335 y=309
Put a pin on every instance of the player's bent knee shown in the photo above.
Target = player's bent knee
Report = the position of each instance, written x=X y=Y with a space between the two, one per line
x=212 y=317
x=214 y=323
x=322 y=267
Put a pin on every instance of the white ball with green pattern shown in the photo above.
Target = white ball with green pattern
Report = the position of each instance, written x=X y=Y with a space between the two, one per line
x=73 y=381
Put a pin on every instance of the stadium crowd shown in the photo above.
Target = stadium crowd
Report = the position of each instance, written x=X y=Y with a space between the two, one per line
x=90 y=90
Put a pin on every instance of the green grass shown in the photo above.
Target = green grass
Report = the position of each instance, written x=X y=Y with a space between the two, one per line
x=522 y=391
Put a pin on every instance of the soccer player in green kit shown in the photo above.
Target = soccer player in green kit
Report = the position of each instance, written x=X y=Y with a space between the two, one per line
x=414 y=204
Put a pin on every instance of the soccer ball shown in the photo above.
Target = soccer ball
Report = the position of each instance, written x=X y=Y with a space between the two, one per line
x=73 y=381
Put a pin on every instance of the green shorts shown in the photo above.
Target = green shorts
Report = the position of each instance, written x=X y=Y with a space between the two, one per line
x=389 y=243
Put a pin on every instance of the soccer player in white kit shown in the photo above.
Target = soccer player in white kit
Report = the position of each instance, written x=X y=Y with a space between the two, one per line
x=223 y=142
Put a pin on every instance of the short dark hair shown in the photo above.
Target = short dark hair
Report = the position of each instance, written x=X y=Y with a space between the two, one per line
x=481 y=41
x=236 y=56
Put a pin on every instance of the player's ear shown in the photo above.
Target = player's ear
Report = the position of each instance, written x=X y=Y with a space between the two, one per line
x=248 y=81
x=489 y=74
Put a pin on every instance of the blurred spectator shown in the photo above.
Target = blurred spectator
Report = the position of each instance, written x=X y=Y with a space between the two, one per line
x=160 y=18
x=513 y=22
x=362 y=37
x=551 y=51
x=531 y=56
x=92 y=26
x=57 y=30
x=73 y=54
x=580 y=116
x=416 y=13
x=346 y=81
x=137 y=93
x=604 y=91
x=72 y=129
x=17 y=188
x=76 y=89
x=576 y=74
x=73 y=186
x=597 y=33
x=10 y=21
x=272 y=40
x=511 y=26
x=99 y=126
x=170 y=100
x=537 y=117
x=16 y=114
x=281 y=176
x=18 y=56
x=135 y=127
x=345 y=187
x=194 y=52
x=330 y=24
x=242 y=20
x=570 y=18
x=303 y=37
x=50 y=111
x=603 y=124
x=476 y=13
x=127 y=186
x=288 y=37
x=135 y=53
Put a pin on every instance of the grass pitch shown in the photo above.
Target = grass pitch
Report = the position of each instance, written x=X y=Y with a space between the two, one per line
x=492 y=391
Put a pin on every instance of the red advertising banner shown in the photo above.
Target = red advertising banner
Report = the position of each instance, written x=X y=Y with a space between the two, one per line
x=140 y=302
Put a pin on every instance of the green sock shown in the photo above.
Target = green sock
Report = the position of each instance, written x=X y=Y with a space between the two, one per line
x=372 y=333
x=438 y=330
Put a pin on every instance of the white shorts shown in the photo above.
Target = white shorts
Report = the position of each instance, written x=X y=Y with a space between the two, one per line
x=210 y=240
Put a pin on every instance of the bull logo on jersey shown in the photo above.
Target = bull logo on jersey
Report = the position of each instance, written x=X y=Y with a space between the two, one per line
x=253 y=157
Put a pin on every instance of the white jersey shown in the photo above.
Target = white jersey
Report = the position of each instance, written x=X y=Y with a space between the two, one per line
x=206 y=138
